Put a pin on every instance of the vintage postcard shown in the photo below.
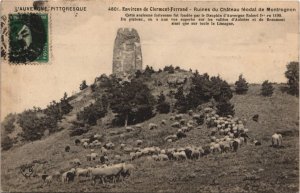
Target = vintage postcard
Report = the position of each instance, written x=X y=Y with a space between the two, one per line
x=149 y=96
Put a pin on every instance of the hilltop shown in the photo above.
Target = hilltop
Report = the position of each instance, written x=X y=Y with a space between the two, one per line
x=251 y=169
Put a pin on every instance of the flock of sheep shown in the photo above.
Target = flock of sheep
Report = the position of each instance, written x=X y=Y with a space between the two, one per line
x=226 y=134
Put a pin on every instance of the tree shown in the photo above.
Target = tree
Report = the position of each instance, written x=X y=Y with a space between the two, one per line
x=6 y=143
x=162 y=105
x=200 y=91
x=170 y=69
x=83 y=85
x=132 y=102
x=148 y=71
x=8 y=123
x=181 y=104
x=93 y=112
x=225 y=108
x=138 y=74
x=292 y=74
x=34 y=124
x=267 y=88
x=241 y=85
x=64 y=105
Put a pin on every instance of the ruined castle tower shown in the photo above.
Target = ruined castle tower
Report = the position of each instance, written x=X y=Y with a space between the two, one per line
x=127 y=57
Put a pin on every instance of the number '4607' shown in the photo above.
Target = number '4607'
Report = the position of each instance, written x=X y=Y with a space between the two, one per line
x=113 y=9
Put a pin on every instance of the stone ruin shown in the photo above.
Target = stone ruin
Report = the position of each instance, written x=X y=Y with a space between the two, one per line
x=127 y=55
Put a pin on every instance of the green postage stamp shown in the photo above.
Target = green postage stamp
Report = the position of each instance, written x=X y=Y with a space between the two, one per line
x=28 y=38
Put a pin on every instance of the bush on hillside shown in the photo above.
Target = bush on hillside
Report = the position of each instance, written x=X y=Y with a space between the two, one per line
x=8 y=123
x=6 y=143
x=225 y=108
x=93 y=112
x=205 y=88
x=292 y=74
x=132 y=102
x=267 y=88
x=241 y=85
x=35 y=123
x=170 y=69
x=162 y=106
x=83 y=85
x=181 y=105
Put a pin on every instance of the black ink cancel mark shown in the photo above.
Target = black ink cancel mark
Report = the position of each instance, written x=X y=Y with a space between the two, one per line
x=26 y=170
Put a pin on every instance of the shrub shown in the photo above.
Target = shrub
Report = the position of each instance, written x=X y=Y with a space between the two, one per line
x=78 y=131
x=170 y=69
x=83 y=85
x=93 y=112
x=6 y=143
x=181 y=104
x=132 y=102
x=8 y=123
x=225 y=108
x=292 y=74
x=35 y=123
x=162 y=105
x=267 y=88
x=241 y=85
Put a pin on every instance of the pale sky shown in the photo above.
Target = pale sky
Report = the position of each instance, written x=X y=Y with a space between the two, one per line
x=82 y=49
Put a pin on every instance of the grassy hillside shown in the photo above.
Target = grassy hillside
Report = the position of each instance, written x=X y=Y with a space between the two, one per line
x=251 y=169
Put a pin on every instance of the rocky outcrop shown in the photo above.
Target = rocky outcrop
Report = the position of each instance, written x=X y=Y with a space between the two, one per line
x=127 y=56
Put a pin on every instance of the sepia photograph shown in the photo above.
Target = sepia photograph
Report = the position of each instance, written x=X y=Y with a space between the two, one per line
x=149 y=96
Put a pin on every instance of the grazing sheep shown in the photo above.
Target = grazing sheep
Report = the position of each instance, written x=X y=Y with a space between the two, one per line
x=172 y=118
x=163 y=157
x=127 y=169
x=139 y=142
x=163 y=122
x=94 y=156
x=256 y=143
x=255 y=117
x=176 y=125
x=122 y=146
x=235 y=145
x=48 y=179
x=213 y=138
x=180 y=134
x=109 y=145
x=77 y=141
x=172 y=137
x=225 y=146
x=129 y=129
x=103 y=159
x=75 y=162
x=152 y=126
x=67 y=176
x=215 y=147
x=182 y=122
x=155 y=157
x=84 y=140
x=67 y=148
x=185 y=129
x=132 y=156
x=102 y=173
x=180 y=155
x=81 y=172
x=178 y=117
x=276 y=140
x=195 y=154
x=138 y=126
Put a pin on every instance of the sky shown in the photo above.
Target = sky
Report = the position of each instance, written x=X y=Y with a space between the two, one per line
x=82 y=49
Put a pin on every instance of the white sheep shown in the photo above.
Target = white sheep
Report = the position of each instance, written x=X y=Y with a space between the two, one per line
x=276 y=140
x=152 y=126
